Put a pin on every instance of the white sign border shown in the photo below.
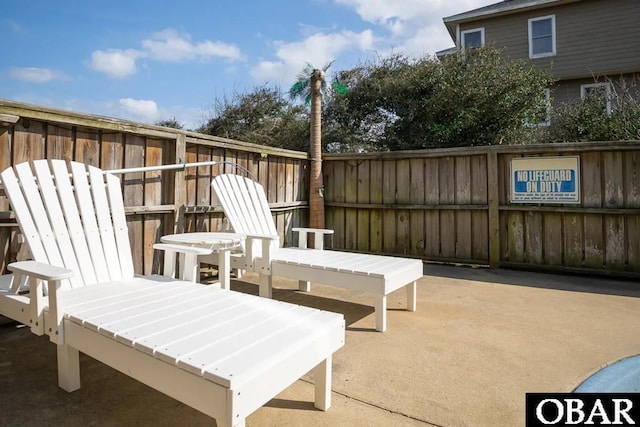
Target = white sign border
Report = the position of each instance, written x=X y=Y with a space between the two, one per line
x=537 y=202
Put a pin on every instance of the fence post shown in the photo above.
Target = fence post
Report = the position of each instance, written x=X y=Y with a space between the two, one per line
x=493 y=211
x=179 y=185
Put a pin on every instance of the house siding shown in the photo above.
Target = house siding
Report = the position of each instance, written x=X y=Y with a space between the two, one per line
x=593 y=37
x=568 y=91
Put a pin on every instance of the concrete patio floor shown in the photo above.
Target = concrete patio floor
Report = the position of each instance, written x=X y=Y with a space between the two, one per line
x=478 y=342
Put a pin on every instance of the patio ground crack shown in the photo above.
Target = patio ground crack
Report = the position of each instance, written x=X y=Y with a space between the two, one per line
x=382 y=408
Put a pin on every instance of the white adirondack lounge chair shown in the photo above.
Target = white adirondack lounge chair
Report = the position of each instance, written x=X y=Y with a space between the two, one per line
x=247 y=209
x=221 y=352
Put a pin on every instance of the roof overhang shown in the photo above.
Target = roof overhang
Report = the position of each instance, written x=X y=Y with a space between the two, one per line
x=498 y=9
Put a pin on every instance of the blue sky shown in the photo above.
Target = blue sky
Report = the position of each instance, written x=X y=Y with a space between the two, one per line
x=149 y=60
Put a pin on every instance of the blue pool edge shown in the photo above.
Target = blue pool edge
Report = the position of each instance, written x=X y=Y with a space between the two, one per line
x=622 y=376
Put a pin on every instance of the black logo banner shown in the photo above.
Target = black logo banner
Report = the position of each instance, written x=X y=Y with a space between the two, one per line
x=582 y=409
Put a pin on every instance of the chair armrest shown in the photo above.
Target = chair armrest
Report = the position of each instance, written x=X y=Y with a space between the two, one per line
x=40 y=270
x=312 y=230
x=319 y=234
x=37 y=273
x=261 y=236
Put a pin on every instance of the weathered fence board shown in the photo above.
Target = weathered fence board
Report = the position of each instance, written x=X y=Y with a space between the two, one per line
x=432 y=217
x=87 y=147
x=389 y=198
x=351 y=215
x=553 y=239
x=59 y=143
x=375 y=215
x=593 y=237
x=479 y=220
x=417 y=197
x=363 y=219
x=403 y=198
x=463 y=179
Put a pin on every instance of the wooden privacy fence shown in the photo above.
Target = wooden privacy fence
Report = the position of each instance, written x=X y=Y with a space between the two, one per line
x=454 y=205
x=157 y=202
x=447 y=205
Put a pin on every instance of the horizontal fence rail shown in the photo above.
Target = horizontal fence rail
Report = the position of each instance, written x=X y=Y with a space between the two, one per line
x=178 y=166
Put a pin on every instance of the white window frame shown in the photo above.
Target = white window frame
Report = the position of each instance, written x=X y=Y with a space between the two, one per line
x=473 y=30
x=553 y=36
x=607 y=92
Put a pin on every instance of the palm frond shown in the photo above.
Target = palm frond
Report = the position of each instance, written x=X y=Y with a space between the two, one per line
x=308 y=69
x=326 y=66
x=299 y=89
x=303 y=75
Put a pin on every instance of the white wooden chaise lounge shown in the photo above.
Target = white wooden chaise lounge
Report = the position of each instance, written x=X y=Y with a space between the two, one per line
x=246 y=207
x=221 y=352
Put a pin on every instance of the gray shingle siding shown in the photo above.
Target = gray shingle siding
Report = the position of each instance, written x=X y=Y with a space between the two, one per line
x=593 y=37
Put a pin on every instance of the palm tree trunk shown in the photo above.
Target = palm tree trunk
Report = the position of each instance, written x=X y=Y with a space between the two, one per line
x=316 y=199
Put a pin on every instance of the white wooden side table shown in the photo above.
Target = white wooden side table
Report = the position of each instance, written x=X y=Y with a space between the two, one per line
x=222 y=243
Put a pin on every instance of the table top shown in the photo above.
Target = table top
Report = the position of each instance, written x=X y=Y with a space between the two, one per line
x=211 y=240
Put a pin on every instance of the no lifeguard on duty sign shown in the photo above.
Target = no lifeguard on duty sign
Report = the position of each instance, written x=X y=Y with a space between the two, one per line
x=545 y=179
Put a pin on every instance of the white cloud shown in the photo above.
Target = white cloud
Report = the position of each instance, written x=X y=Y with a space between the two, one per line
x=386 y=11
x=168 y=45
x=318 y=49
x=143 y=109
x=115 y=62
x=415 y=26
x=35 y=75
x=424 y=41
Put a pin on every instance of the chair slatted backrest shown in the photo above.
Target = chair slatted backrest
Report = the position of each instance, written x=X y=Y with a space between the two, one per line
x=72 y=215
x=245 y=204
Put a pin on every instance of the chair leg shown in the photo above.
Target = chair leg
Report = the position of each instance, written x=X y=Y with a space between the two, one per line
x=322 y=380
x=224 y=270
x=190 y=267
x=411 y=297
x=381 y=313
x=169 y=269
x=265 y=289
x=68 y=368
x=304 y=286
x=231 y=419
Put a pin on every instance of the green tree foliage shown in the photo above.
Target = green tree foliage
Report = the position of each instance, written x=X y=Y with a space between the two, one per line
x=589 y=119
x=475 y=98
x=170 y=123
x=262 y=116
x=478 y=97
